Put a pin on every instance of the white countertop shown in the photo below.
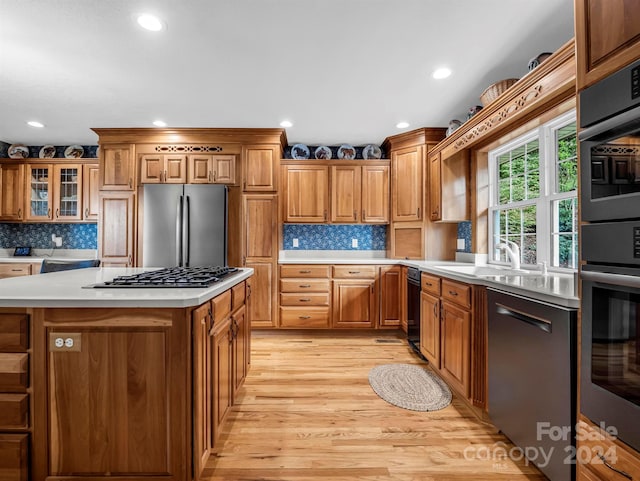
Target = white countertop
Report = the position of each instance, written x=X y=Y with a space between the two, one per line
x=69 y=289
x=38 y=255
x=555 y=288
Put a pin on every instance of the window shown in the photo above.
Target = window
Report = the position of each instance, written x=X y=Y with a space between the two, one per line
x=534 y=195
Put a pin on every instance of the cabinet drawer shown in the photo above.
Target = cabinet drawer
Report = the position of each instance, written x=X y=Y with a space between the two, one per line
x=221 y=306
x=14 y=456
x=356 y=272
x=316 y=317
x=14 y=332
x=14 y=372
x=457 y=293
x=238 y=295
x=430 y=284
x=12 y=269
x=297 y=299
x=302 y=285
x=592 y=442
x=304 y=271
x=14 y=411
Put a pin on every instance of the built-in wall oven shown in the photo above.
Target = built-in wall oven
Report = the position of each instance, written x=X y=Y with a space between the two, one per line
x=610 y=245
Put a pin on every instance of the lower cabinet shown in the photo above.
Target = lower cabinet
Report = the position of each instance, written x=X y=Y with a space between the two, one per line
x=17 y=269
x=222 y=384
x=430 y=328
x=354 y=303
x=456 y=347
x=116 y=228
x=391 y=299
x=15 y=419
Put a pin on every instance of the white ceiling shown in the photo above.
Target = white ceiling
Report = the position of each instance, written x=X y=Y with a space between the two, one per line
x=340 y=70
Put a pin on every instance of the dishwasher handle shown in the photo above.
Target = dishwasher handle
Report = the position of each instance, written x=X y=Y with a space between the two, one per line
x=521 y=316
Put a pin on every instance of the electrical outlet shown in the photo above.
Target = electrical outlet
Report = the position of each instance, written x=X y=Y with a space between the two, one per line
x=57 y=241
x=295 y=243
x=53 y=237
x=461 y=244
x=354 y=242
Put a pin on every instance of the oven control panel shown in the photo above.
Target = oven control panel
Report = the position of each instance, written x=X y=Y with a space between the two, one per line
x=636 y=242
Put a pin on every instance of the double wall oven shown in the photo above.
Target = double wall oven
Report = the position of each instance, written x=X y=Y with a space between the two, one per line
x=610 y=243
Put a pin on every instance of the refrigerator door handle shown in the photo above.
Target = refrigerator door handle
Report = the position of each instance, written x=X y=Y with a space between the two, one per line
x=185 y=232
x=179 y=232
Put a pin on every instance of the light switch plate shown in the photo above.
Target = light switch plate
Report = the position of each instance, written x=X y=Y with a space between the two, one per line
x=354 y=242
x=460 y=244
x=295 y=243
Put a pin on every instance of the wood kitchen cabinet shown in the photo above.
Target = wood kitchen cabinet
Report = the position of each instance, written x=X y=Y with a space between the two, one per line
x=375 y=194
x=260 y=252
x=346 y=198
x=117 y=167
x=448 y=184
x=305 y=296
x=90 y=189
x=18 y=269
x=55 y=192
x=607 y=38
x=211 y=169
x=354 y=296
x=116 y=230
x=11 y=191
x=306 y=193
x=163 y=169
x=203 y=389
x=430 y=336
x=455 y=359
x=407 y=184
x=261 y=165
x=391 y=298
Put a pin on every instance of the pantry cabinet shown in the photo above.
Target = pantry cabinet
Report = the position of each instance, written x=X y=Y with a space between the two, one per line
x=163 y=169
x=11 y=191
x=607 y=38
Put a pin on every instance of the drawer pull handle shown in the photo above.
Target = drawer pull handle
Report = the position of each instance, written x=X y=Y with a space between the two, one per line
x=305 y=272
x=619 y=471
x=453 y=293
x=354 y=272
x=16 y=270
x=428 y=284
x=304 y=317
x=305 y=286
x=305 y=299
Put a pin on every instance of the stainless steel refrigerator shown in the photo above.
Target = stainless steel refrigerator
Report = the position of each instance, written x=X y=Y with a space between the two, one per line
x=184 y=225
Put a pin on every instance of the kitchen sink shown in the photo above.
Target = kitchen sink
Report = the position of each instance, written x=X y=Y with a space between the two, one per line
x=485 y=271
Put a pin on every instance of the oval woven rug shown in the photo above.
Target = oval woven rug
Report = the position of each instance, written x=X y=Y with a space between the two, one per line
x=410 y=387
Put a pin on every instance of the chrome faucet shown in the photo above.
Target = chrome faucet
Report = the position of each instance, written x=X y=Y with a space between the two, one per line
x=513 y=252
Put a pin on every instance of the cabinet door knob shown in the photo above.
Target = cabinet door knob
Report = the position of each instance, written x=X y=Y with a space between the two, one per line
x=214 y=175
x=354 y=215
x=129 y=260
x=453 y=293
x=130 y=182
x=325 y=215
x=49 y=212
x=86 y=212
x=19 y=213
x=418 y=211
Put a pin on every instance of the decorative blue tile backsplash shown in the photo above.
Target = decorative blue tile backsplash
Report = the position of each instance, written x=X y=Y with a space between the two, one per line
x=464 y=232
x=334 y=237
x=38 y=236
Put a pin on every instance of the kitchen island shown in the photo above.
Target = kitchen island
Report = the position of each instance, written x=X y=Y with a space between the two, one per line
x=116 y=383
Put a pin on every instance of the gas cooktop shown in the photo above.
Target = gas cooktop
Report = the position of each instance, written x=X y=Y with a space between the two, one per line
x=172 y=277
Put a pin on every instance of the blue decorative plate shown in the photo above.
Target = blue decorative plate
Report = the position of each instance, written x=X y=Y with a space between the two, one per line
x=347 y=152
x=300 y=152
x=323 y=153
x=371 y=152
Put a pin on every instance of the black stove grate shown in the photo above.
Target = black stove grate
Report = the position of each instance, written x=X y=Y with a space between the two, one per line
x=173 y=277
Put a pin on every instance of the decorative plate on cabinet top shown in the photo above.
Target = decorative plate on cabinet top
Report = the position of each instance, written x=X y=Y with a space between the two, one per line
x=371 y=152
x=18 y=151
x=73 y=152
x=47 y=152
x=323 y=153
x=346 y=152
x=300 y=152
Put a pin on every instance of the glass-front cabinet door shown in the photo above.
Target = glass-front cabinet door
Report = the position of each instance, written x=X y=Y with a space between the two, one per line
x=67 y=192
x=39 y=183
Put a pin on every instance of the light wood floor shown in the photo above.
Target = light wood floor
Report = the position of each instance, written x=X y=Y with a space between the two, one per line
x=307 y=412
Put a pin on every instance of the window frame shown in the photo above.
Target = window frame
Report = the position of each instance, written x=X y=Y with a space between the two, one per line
x=546 y=237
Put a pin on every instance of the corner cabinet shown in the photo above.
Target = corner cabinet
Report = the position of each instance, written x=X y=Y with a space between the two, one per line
x=11 y=191
x=607 y=38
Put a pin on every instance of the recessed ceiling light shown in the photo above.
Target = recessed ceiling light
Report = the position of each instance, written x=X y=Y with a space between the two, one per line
x=35 y=123
x=286 y=123
x=441 y=73
x=402 y=125
x=150 y=22
x=159 y=123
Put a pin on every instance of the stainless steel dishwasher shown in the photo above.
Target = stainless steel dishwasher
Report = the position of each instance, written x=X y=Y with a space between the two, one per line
x=532 y=379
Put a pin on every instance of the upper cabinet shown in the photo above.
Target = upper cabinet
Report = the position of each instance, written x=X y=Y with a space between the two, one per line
x=306 y=193
x=90 y=187
x=260 y=168
x=406 y=184
x=11 y=191
x=54 y=192
x=327 y=191
x=607 y=37
x=163 y=169
x=448 y=185
x=117 y=167
x=211 y=169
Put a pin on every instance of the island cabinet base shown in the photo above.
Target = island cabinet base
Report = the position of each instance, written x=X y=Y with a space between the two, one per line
x=112 y=394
